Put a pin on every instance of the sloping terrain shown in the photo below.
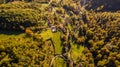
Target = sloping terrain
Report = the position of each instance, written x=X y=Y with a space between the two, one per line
x=58 y=34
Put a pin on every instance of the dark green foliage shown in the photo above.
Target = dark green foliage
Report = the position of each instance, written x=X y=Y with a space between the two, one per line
x=25 y=52
x=14 y=53
x=14 y=18
x=18 y=16
x=104 y=42
x=96 y=32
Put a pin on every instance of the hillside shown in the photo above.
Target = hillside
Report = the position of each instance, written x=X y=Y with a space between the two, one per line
x=64 y=33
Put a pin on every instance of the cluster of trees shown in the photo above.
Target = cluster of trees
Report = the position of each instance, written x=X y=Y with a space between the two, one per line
x=98 y=32
x=24 y=52
x=6 y=1
x=103 y=38
x=18 y=16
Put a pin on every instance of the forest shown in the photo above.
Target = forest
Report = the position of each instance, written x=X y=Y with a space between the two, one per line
x=59 y=33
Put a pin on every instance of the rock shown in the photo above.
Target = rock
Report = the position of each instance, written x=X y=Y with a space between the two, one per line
x=54 y=29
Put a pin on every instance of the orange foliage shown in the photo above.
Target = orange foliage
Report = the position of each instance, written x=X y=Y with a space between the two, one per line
x=29 y=32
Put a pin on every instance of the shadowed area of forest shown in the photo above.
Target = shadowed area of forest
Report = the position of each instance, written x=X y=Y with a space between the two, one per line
x=59 y=33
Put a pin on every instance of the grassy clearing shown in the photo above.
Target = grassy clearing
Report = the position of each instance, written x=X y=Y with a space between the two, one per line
x=55 y=37
x=76 y=51
x=59 y=62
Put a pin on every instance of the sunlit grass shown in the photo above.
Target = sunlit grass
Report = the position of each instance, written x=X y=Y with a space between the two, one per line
x=59 y=62
x=76 y=51
x=55 y=37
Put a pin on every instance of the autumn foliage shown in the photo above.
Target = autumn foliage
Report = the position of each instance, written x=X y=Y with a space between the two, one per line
x=97 y=32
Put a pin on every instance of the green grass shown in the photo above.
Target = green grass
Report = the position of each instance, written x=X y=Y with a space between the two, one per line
x=76 y=51
x=59 y=62
x=46 y=34
x=55 y=37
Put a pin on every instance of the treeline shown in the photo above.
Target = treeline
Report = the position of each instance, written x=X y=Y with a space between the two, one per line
x=109 y=5
x=6 y=1
x=19 y=15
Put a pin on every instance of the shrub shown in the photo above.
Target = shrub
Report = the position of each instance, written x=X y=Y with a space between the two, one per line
x=29 y=32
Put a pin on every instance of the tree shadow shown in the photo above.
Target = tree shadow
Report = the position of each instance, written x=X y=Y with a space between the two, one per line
x=109 y=5
x=10 y=32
